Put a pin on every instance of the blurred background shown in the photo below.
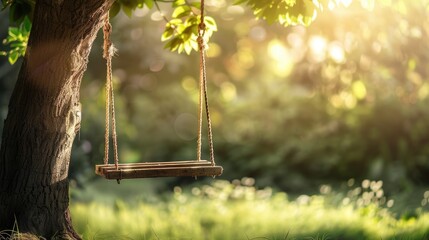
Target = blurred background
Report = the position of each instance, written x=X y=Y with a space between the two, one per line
x=346 y=97
x=341 y=102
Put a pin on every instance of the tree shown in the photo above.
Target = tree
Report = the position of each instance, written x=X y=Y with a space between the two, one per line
x=44 y=116
x=44 y=110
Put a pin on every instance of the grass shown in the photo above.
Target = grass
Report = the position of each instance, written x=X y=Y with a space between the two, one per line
x=237 y=210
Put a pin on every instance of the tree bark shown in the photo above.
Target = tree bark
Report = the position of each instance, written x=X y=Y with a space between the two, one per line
x=44 y=117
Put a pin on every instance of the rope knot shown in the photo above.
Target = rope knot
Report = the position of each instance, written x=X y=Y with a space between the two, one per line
x=202 y=43
x=109 y=49
x=202 y=28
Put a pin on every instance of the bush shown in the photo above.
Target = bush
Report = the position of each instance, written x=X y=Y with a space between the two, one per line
x=238 y=210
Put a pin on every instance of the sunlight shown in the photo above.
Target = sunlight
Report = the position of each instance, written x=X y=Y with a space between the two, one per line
x=235 y=10
x=336 y=52
x=359 y=89
x=189 y=84
x=229 y=91
x=157 y=16
x=283 y=69
x=348 y=99
x=282 y=57
x=277 y=50
x=299 y=104
x=214 y=50
x=295 y=40
x=423 y=91
x=216 y=4
x=331 y=5
x=258 y=33
x=318 y=45
x=245 y=57
x=368 y=4
x=343 y=100
x=345 y=3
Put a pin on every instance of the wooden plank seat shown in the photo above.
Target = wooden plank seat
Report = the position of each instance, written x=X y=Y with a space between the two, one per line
x=159 y=169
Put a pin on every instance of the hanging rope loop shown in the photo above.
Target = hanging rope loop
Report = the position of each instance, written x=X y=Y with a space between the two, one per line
x=108 y=52
x=201 y=29
x=107 y=29
x=106 y=34
x=200 y=39
x=203 y=90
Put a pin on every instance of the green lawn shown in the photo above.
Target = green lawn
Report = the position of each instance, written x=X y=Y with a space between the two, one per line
x=237 y=210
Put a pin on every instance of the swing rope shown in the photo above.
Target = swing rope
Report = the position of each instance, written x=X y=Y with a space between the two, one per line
x=203 y=92
x=109 y=51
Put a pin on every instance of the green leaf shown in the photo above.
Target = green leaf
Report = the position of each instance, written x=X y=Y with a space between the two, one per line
x=175 y=21
x=168 y=33
x=149 y=3
x=132 y=4
x=26 y=26
x=194 y=44
x=181 y=47
x=174 y=44
x=114 y=10
x=237 y=2
x=19 y=10
x=181 y=11
x=14 y=32
x=17 y=45
x=17 y=40
x=286 y=12
x=13 y=57
x=192 y=20
x=187 y=34
x=188 y=47
x=210 y=23
x=177 y=3
x=127 y=10
x=182 y=31
x=196 y=5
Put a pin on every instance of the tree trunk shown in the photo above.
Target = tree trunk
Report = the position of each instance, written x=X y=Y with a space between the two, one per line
x=43 y=118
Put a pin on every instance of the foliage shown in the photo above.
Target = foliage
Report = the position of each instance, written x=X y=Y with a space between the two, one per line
x=128 y=6
x=293 y=12
x=17 y=41
x=181 y=31
x=238 y=210
x=286 y=12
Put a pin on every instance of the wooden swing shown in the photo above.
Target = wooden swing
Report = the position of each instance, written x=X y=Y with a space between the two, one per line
x=189 y=168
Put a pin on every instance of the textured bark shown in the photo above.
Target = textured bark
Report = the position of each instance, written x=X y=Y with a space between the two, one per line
x=43 y=118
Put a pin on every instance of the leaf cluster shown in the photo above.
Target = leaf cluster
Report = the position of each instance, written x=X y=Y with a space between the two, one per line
x=17 y=41
x=182 y=30
x=128 y=6
x=286 y=12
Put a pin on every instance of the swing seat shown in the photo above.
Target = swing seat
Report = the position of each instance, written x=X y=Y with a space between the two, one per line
x=192 y=168
x=195 y=168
